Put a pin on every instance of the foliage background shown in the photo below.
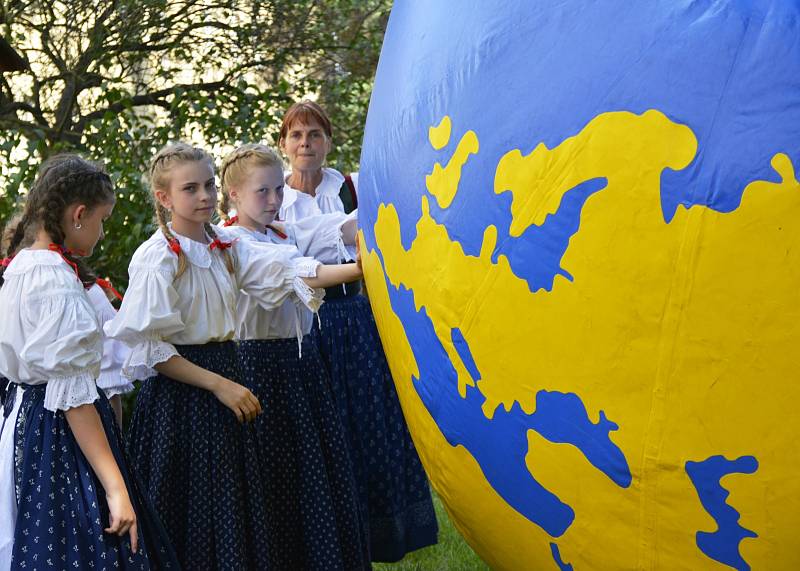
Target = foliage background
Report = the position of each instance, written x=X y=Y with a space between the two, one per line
x=117 y=79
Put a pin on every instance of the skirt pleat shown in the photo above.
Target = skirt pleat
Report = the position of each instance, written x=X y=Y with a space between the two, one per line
x=61 y=505
x=314 y=520
x=393 y=487
x=201 y=467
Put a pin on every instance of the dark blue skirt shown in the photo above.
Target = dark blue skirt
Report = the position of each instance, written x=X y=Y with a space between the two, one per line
x=393 y=486
x=314 y=520
x=62 y=509
x=201 y=467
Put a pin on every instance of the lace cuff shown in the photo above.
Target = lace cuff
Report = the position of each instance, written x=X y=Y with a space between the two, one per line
x=63 y=393
x=118 y=390
x=330 y=242
x=113 y=383
x=306 y=267
x=145 y=356
x=309 y=296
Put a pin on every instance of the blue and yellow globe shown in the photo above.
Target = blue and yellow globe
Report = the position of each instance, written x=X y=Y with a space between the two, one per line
x=581 y=227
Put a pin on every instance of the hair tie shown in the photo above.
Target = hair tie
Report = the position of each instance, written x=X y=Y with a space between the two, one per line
x=217 y=243
x=6 y=261
x=59 y=249
x=231 y=221
x=174 y=245
x=106 y=285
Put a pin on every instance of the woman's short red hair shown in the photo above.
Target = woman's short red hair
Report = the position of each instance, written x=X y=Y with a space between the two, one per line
x=306 y=112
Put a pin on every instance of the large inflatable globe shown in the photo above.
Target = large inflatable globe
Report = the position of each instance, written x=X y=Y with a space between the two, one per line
x=581 y=225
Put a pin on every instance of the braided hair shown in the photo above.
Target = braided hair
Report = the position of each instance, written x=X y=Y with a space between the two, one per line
x=62 y=181
x=160 y=167
x=235 y=167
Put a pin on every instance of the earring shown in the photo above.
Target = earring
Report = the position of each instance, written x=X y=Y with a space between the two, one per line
x=78 y=226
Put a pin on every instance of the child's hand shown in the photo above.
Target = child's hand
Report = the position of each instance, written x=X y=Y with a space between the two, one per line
x=122 y=517
x=240 y=400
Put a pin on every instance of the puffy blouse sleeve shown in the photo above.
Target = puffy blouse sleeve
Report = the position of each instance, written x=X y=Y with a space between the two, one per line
x=63 y=345
x=273 y=273
x=320 y=237
x=149 y=312
x=115 y=352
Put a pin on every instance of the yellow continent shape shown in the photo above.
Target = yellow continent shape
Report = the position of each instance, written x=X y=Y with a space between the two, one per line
x=684 y=333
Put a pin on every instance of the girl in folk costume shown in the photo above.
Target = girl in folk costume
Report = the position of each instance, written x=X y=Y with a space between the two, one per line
x=393 y=487
x=67 y=497
x=111 y=380
x=200 y=466
x=314 y=520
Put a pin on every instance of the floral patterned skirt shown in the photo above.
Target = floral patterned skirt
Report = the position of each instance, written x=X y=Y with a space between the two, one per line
x=393 y=487
x=201 y=467
x=58 y=505
x=314 y=521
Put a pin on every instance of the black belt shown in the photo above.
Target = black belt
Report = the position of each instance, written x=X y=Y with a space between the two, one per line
x=339 y=292
x=9 y=393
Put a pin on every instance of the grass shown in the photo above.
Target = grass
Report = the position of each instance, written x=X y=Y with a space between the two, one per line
x=451 y=553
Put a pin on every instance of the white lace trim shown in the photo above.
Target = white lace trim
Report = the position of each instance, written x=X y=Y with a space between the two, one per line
x=310 y=297
x=306 y=267
x=63 y=393
x=118 y=391
x=144 y=357
x=113 y=383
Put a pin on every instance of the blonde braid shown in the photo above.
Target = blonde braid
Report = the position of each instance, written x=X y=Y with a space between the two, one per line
x=228 y=258
x=224 y=207
x=168 y=156
x=161 y=218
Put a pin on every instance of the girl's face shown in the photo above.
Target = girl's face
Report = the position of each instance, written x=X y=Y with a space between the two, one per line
x=84 y=227
x=260 y=195
x=192 y=194
x=306 y=146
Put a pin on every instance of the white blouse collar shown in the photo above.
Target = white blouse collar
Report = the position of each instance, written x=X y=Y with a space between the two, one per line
x=290 y=196
x=330 y=185
x=269 y=237
x=27 y=259
x=198 y=253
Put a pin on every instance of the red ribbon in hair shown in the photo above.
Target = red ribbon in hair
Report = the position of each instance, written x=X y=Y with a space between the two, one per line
x=217 y=243
x=174 y=245
x=6 y=261
x=231 y=221
x=106 y=285
x=63 y=253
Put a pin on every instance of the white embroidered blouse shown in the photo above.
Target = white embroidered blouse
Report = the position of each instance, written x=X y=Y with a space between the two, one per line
x=49 y=331
x=298 y=205
x=111 y=379
x=160 y=311
x=319 y=237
